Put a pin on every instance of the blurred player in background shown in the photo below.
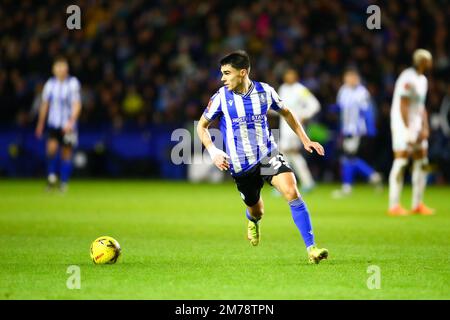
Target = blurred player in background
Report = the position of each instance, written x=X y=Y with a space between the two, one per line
x=303 y=105
x=61 y=101
x=242 y=106
x=410 y=131
x=357 y=124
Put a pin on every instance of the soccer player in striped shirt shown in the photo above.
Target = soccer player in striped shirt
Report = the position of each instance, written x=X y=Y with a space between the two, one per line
x=251 y=152
x=357 y=122
x=61 y=101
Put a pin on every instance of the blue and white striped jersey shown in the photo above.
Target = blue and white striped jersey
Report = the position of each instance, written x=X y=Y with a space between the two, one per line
x=60 y=95
x=354 y=104
x=243 y=123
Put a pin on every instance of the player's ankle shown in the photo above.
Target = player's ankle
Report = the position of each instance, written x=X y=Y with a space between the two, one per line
x=52 y=178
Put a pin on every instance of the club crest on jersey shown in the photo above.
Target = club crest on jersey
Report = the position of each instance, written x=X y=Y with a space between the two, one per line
x=262 y=97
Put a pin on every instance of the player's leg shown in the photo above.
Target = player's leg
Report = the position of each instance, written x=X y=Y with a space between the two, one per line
x=300 y=167
x=367 y=171
x=396 y=177
x=254 y=214
x=69 y=141
x=249 y=187
x=52 y=153
x=363 y=168
x=290 y=146
x=256 y=211
x=66 y=166
x=286 y=184
x=348 y=173
x=350 y=147
x=419 y=181
x=401 y=151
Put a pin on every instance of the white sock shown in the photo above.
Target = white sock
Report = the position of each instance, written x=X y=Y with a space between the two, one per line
x=347 y=188
x=396 y=181
x=52 y=178
x=375 y=178
x=301 y=168
x=418 y=182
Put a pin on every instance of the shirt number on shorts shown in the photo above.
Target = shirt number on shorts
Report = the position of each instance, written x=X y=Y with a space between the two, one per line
x=277 y=161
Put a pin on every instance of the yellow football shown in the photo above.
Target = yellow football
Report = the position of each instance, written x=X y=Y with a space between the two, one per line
x=105 y=250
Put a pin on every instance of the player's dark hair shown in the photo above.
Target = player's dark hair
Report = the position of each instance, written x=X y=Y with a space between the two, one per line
x=351 y=69
x=60 y=59
x=237 y=59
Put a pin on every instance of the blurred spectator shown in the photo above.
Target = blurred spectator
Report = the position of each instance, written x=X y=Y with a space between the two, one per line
x=133 y=103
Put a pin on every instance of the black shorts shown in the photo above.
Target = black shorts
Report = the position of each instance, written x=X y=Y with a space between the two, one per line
x=68 y=139
x=355 y=146
x=251 y=182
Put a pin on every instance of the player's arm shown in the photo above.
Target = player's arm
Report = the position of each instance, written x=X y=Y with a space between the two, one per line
x=76 y=106
x=300 y=132
x=311 y=103
x=76 y=110
x=406 y=92
x=368 y=112
x=404 y=107
x=425 y=133
x=404 y=112
x=43 y=110
x=219 y=157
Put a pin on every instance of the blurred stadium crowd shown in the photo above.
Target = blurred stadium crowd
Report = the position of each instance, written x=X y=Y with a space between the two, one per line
x=155 y=63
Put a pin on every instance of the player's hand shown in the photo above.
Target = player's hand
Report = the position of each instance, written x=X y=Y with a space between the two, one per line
x=423 y=135
x=221 y=162
x=219 y=158
x=68 y=127
x=39 y=130
x=311 y=145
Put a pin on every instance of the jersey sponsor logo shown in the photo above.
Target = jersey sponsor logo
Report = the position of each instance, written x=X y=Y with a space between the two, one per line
x=250 y=118
x=230 y=102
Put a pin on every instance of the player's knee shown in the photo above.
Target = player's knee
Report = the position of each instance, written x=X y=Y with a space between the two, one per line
x=52 y=147
x=291 y=193
x=51 y=151
x=66 y=153
x=419 y=154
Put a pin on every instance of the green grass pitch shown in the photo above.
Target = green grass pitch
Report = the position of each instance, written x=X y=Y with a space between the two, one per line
x=186 y=241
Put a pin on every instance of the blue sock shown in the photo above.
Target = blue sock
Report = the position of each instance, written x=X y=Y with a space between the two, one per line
x=363 y=167
x=66 y=169
x=249 y=217
x=301 y=218
x=51 y=165
x=347 y=168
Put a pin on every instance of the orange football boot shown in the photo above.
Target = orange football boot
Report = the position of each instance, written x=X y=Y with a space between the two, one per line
x=423 y=210
x=398 y=210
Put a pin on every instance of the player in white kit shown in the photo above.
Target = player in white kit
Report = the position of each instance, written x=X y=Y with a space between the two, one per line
x=410 y=131
x=304 y=105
